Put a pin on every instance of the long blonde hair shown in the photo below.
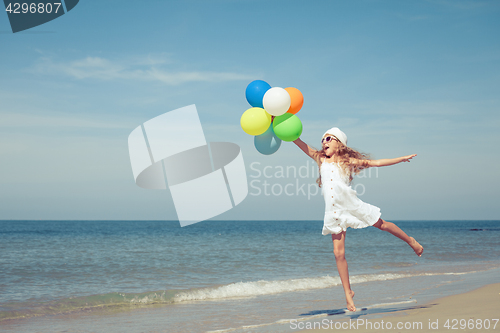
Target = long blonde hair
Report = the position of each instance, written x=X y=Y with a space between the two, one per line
x=343 y=154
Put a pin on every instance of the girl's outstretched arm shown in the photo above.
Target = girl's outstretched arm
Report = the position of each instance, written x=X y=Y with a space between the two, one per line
x=311 y=152
x=382 y=162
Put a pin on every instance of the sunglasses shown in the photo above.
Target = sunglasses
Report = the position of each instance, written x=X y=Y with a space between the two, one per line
x=329 y=138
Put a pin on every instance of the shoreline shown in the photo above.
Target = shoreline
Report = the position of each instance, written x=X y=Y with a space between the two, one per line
x=270 y=310
x=472 y=311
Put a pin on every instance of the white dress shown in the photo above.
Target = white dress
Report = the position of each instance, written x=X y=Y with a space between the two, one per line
x=343 y=208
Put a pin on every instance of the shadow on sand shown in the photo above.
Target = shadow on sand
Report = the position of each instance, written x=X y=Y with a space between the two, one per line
x=370 y=310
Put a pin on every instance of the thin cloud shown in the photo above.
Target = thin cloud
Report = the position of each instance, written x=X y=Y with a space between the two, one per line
x=462 y=5
x=58 y=120
x=98 y=68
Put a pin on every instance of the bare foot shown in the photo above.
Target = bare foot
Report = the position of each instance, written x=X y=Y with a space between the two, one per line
x=419 y=249
x=350 y=303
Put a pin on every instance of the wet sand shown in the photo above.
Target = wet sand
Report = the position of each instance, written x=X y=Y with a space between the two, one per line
x=474 y=311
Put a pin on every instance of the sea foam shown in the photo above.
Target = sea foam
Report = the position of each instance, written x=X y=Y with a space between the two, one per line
x=263 y=287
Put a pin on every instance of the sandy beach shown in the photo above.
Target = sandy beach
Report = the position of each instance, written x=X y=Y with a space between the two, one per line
x=474 y=311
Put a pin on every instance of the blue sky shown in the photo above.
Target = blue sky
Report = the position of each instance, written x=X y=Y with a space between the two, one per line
x=398 y=77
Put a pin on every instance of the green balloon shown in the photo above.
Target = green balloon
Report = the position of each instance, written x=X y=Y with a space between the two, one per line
x=287 y=127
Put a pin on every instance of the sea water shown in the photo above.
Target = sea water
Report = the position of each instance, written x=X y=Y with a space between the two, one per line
x=223 y=275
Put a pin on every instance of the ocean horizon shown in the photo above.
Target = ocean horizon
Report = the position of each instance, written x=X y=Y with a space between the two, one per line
x=52 y=269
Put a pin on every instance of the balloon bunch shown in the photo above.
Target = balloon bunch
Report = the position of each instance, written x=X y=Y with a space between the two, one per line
x=272 y=115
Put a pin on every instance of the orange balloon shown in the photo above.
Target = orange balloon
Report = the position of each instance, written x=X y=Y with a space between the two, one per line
x=296 y=98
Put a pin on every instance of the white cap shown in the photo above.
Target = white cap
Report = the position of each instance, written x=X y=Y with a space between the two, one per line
x=335 y=131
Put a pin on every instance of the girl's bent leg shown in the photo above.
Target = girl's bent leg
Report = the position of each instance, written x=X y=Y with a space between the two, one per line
x=339 y=251
x=396 y=231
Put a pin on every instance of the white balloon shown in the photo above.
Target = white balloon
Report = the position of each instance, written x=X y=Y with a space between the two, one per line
x=276 y=101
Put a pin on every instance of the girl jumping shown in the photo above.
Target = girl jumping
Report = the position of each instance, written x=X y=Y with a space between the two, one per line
x=337 y=164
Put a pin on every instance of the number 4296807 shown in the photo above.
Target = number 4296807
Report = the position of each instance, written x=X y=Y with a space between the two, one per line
x=455 y=324
x=40 y=8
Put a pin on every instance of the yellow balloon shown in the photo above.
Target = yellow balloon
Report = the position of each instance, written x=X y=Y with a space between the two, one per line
x=255 y=121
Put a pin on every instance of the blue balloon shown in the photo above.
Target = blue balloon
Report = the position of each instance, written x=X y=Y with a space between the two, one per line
x=255 y=92
x=267 y=143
